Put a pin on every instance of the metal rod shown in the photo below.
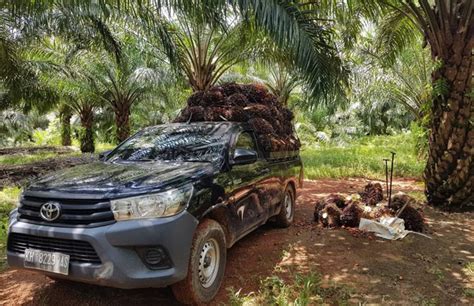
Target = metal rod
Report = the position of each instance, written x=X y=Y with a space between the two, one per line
x=386 y=175
x=391 y=181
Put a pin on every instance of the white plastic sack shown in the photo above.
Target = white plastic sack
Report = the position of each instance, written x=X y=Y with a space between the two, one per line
x=388 y=227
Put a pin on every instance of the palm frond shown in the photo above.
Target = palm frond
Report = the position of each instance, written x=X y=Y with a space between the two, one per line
x=395 y=33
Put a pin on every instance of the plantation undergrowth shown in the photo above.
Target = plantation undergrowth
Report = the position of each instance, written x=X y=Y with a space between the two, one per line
x=363 y=158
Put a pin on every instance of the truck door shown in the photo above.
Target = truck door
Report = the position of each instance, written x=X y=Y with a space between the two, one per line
x=250 y=199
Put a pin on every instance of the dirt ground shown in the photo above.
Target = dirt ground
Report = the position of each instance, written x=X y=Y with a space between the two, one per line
x=415 y=270
x=36 y=150
x=18 y=174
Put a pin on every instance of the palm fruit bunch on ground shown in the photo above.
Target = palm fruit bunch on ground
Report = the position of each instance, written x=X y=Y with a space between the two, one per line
x=335 y=210
x=328 y=210
x=250 y=103
x=372 y=194
x=351 y=214
x=414 y=220
x=330 y=215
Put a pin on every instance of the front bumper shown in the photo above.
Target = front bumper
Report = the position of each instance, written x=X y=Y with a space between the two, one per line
x=116 y=245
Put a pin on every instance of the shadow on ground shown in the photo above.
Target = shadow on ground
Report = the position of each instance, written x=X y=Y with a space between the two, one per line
x=414 y=270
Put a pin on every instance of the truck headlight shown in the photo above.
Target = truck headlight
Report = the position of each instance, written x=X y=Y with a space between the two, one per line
x=163 y=204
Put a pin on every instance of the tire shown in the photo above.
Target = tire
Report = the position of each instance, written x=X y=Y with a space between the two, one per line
x=287 y=211
x=209 y=248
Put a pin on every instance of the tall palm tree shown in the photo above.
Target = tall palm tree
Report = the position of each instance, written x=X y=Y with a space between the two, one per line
x=121 y=84
x=19 y=85
x=79 y=93
x=65 y=115
x=389 y=94
x=405 y=80
x=300 y=27
x=448 y=28
x=77 y=90
x=206 y=51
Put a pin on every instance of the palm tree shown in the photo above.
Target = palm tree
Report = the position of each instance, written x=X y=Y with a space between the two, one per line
x=300 y=27
x=282 y=83
x=405 y=80
x=78 y=91
x=206 y=51
x=65 y=115
x=448 y=28
x=19 y=85
x=124 y=83
x=17 y=127
x=389 y=94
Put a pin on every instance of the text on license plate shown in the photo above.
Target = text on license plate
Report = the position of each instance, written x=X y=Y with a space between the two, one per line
x=47 y=261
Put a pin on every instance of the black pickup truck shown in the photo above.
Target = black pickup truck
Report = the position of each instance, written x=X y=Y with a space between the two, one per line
x=160 y=209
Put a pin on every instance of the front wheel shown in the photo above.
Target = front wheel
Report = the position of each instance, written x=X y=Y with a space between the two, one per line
x=206 y=265
x=287 y=210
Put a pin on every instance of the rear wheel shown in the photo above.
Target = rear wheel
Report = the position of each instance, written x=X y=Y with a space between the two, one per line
x=287 y=211
x=206 y=265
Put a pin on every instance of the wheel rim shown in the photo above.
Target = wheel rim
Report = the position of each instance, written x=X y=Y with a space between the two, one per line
x=288 y=206
x=209 y=258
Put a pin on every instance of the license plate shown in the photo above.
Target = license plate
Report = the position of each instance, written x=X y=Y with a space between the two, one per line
x=47 y=261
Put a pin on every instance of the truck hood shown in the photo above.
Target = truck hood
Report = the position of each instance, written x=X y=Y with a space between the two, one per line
x=110 y=180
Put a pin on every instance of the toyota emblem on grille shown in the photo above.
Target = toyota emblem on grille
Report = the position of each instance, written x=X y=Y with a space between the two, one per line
x=50 y=211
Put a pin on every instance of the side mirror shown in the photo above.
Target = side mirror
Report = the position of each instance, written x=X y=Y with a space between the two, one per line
x=244 y=156
x=103 y=155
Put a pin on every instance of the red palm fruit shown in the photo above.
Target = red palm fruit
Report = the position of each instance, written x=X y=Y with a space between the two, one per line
x=237 y=99
x=261 y=125
x=259 y=111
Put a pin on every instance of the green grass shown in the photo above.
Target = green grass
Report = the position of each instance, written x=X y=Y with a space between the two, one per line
x=8 y=200
x=20 y=159
x=101 y=147
x=363 y=158
x=303 y=290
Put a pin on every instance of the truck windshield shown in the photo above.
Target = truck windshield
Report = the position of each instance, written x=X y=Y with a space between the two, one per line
x=175 y=142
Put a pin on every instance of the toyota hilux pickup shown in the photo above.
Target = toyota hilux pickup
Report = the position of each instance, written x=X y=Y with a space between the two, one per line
x=160 y=209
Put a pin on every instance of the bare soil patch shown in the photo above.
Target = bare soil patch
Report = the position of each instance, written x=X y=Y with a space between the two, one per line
x=36 y=150
x=17 y=174
x=411 y=271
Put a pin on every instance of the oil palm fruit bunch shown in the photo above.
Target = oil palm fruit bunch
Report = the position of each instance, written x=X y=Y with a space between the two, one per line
x=250 y=103
x=330 y=215
x=413 y=218
x=351 y=214
x=372 y=194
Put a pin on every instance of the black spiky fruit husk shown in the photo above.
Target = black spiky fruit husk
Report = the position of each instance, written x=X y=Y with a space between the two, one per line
x=261 y=125
x=351 y=214
x=400 y=199
x=330 y=215
x=413 y=219
x=337 y=199
x=237 y=99
x=372 y=194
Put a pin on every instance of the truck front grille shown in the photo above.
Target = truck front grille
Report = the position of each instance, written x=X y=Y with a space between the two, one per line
x=79 y=251
x=74 y=212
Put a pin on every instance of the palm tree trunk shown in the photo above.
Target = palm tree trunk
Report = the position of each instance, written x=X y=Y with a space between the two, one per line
x=65 y=118
x=449 y=172
x=122 y=120
x=87 y=135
